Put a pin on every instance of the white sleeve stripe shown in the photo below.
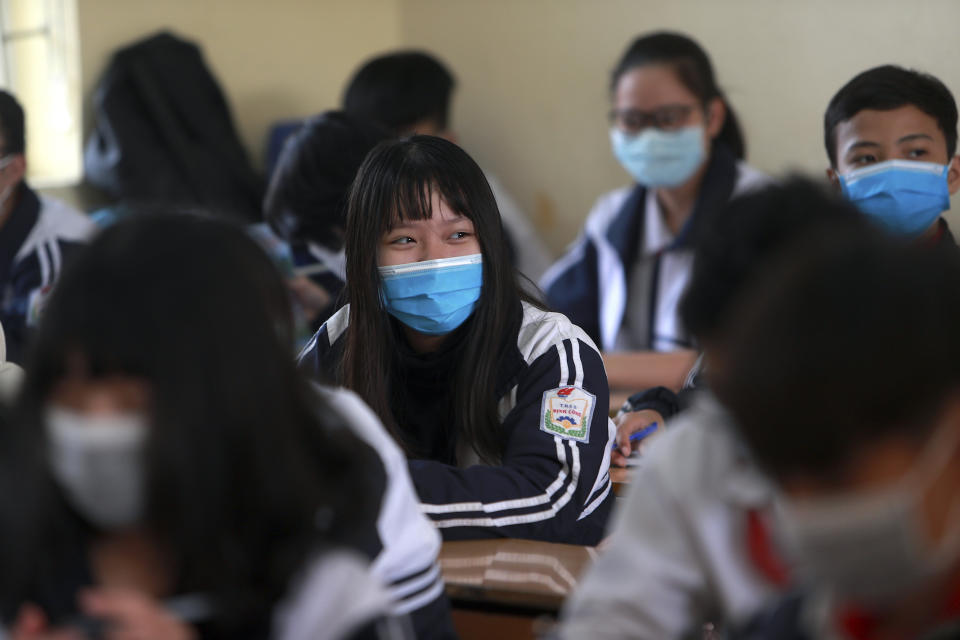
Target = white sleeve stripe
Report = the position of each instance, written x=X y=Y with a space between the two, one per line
x=503 y=505
x=44 y=265
x=577 y=364
x=601 y=485
x=564 y=371
x=527 y=518
x=596 y=502
x=411 y=576
x=419 y=582
x=419 y=601
x=54 y=249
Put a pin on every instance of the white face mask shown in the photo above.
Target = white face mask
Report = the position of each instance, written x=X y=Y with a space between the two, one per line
x=871 y=548
x=98 y=461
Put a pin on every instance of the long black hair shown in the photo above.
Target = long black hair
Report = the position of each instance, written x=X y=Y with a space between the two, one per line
x=307 y=197
x=242 y=456
x=694 y=70
x=396 y=183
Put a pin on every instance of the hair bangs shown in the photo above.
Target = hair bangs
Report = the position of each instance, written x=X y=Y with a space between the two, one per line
x=413 y=196
x=77 y=337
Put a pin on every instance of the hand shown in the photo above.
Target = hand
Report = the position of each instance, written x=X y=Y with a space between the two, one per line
x=31 y=624
x=311 y=297
x=133 y=616
x=628 y=424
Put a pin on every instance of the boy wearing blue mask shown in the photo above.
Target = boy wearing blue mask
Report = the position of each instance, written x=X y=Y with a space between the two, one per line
x=891 y=136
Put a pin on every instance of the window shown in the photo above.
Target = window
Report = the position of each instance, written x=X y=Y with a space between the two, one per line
x=40 y=65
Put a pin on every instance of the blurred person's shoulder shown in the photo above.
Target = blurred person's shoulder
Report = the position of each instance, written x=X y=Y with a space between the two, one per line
x=699 y=457
x=59 y=219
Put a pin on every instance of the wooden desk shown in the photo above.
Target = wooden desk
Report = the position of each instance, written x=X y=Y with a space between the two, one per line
x=505 y=588
x=513 y=574
x=620 y=477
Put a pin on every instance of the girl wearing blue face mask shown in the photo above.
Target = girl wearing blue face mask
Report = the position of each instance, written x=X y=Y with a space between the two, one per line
x=674 y=134
x=500 y=406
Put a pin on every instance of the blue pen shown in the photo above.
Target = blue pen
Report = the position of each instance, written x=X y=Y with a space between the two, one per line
x=640 y=435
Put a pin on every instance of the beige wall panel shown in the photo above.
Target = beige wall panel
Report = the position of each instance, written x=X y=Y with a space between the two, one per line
x=533 y=75
x=274 y=59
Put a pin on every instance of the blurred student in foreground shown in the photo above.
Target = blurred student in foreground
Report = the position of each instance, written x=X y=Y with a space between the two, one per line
x=410 y=92
x=693 y=543
x=170 y=475
x=841 y=372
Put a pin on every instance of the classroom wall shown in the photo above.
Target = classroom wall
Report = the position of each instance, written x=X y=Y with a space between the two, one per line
x=276 y=59
x=532 y=99
x=533 y=78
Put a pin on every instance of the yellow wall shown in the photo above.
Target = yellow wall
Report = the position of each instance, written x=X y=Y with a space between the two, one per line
x=273 y=58
x=532 y=99
x=533 y=78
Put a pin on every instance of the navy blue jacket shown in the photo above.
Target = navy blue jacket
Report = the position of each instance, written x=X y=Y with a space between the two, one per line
x=589 y=283
x=552 y=482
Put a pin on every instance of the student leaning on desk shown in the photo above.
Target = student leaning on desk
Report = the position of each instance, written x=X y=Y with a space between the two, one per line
x=169 y=476
x=500 y=406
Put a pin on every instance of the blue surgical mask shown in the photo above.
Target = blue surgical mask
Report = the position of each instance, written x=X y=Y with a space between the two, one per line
x=904 y=196
x=658 y=158
x=434 y=296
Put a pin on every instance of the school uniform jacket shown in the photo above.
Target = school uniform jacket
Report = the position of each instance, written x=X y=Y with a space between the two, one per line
x=693 y=541
x=386 y=573
x=589 y=284
x=552 y=482
x=406 y=561
x=38 y=237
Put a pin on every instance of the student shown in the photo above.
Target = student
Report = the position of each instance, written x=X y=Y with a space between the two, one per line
x=37 y=235
x=622 y=280
x=864 y=449
x=891 y=137
x=410 y=92
x=694 y=540
x=306 y=205
x=500 y=406
x=167 y=483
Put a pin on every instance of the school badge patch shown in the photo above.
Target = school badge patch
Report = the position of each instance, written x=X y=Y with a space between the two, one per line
x=567 y=412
